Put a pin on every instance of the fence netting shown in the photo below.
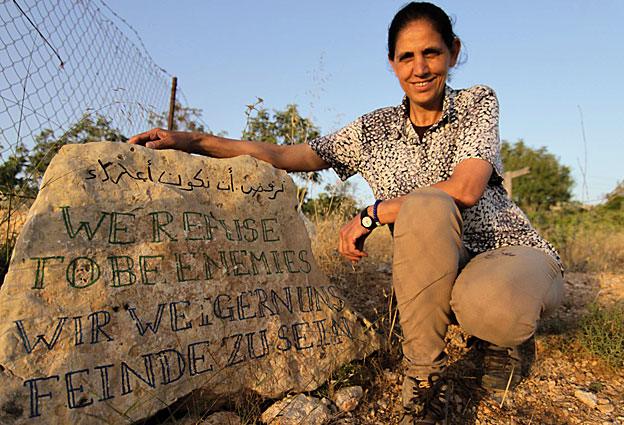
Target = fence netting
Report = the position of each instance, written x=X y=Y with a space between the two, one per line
x=65 y=63
x=62 y=60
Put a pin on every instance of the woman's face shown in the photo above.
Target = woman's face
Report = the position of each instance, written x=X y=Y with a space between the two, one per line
x=421 y=63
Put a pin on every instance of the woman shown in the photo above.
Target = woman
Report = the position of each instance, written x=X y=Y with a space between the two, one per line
x=462 y=248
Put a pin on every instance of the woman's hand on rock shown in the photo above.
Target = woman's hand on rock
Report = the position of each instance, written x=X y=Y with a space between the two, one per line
x=352 y=236
x=157 y=138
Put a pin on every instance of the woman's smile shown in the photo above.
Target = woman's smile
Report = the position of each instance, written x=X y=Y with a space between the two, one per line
x=422 y=84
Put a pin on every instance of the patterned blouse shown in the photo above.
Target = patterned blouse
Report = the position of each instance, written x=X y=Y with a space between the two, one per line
x=384 y=148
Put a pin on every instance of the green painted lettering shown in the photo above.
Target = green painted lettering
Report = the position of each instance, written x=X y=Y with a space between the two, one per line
x=82 y=272
x=158 y=225
x=190 y=224
x=267 y=230
x=145 y=268
x=116 y=228
x=180 y=268
x=84 y=225
x=118 y=271
x=41 y=265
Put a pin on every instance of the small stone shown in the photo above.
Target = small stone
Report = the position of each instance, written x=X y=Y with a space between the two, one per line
x=603 y=401
x=298 y=410
x=605 y=408
x=391 y=377
x=347 y=399
x=587 y=398
x=221 y=418
x=385 y=268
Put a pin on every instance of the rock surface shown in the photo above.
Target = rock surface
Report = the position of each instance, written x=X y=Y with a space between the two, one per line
x=142 y=276
x=298 y=410
x=347 y=399
x=587 y=398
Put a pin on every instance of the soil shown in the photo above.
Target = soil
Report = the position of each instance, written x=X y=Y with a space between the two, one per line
x=546 y=395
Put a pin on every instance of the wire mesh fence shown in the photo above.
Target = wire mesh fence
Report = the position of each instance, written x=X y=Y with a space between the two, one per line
x=64 y=63
x=63 y=60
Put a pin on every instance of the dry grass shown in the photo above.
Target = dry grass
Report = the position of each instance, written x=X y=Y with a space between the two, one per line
x=325 y=246
x=594 y=250
x=368 y=286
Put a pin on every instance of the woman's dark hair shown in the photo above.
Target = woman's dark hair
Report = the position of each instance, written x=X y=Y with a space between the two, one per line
x=420 y=10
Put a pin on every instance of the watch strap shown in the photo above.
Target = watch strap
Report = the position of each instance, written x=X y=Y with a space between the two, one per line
x=375 y=207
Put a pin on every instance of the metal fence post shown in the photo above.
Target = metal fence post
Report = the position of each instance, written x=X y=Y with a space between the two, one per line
x=172 y=101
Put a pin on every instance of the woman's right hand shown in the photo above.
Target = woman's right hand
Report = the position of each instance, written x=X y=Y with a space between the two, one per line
x=290 y=158
x=351 y=242
x=157 y=138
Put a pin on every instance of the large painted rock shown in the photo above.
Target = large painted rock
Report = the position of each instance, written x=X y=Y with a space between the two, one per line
x=141 y=276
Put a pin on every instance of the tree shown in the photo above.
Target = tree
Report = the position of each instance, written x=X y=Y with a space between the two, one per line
x=615 y=199
x=337 y=199
x=11 y=170
x=185 y=118
x=548 y=182
x=285 y=127
x=88 y=129
x=23 y=169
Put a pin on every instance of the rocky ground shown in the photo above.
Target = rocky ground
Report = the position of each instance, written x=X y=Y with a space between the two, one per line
x=564 y=385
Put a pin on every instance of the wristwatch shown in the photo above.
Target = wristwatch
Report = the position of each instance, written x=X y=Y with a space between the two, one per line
x=367 y=221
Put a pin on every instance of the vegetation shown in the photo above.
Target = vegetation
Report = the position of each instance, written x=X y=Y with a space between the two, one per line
x=602 y=333
x=21 y=173
x=285 y=127
x=548 y=182
x=184 y=119
x=336 y=201
x=589 y=239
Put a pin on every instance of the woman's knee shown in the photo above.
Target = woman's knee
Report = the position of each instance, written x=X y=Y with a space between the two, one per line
x=427 y=206
x=501 y=294
x=428 y=199
x=494 y=319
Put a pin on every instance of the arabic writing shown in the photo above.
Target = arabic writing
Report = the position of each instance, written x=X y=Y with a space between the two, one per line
x=115 y=172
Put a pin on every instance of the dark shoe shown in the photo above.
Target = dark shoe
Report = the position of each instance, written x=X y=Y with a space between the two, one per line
x=502 y=369
x=424 y=401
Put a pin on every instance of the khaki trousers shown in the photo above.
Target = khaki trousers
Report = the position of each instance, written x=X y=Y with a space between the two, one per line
x=497 y=296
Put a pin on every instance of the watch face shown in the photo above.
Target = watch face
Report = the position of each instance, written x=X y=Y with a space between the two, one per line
x=367 y=222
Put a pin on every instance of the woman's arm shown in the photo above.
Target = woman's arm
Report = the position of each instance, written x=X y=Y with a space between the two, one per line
x=286 y=157
x=465 y=186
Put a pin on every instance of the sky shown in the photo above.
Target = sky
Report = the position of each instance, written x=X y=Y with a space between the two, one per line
x=555 y=65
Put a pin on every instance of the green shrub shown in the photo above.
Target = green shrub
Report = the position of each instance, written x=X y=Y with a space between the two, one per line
x=589 y=239
x=601 y=332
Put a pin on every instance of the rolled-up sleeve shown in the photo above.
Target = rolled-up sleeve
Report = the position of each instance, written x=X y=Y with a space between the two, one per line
x=342 y=150
x=480 y=136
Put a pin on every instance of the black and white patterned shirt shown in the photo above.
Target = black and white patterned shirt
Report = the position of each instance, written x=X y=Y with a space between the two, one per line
x=384 y=148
